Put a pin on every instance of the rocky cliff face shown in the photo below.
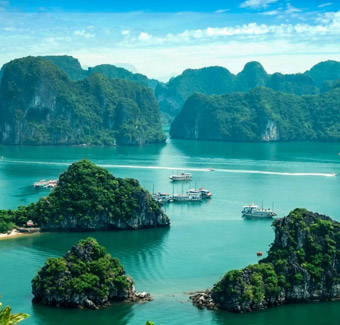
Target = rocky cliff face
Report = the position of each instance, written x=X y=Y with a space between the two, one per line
x=259 y=115
x=40 y=105
x=303 y=265
x=142 y=217
x=85 y=277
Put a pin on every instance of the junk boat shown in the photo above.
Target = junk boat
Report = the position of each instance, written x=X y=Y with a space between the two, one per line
x=201 y=191
x=181 y=177
x=192 y=197
x=46 y=184
x=162 y=197
x=253 y=211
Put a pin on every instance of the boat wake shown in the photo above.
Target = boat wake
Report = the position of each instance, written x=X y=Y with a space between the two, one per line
x=222 y=170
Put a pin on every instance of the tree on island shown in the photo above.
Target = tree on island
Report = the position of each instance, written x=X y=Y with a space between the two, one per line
x=85 y=277
x=302 y=265
x=88 y=197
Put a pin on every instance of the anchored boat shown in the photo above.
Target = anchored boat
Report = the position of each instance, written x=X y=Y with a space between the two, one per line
x=46 y=184
x=181 y=177
x=162 y=197
x=205 y=194
x=254 y=211
x=192 y=197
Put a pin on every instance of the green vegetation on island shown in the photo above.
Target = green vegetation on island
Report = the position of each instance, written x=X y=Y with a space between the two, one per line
x=261 y=114
x=85 y=277
x=303 y=265
x=88 y=197
x=218 y=80
x=40 y=105
x=73 y=69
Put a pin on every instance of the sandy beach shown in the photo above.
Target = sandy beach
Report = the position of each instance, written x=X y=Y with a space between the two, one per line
x=15 y=233
x=11 y=234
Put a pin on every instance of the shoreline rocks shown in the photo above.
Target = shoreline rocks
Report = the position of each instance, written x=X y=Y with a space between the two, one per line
x=85 y=277
x=303 y=265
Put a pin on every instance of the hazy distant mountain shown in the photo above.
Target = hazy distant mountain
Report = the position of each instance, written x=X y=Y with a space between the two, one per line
x=217 y=80
x=260 y=114
x=40 y=105
x=323 y=71
x=73 y=69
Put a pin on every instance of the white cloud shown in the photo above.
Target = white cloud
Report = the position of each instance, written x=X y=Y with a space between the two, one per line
x=271 y=13
x=144 y=36
x=325 y=5
x=83 y=33
x=256 y=4
x=291 y=9
x=220 y=11
x=164 y=44
x=328 y=24
x=125 y=32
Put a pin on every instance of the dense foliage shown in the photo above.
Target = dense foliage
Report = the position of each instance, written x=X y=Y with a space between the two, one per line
x=73 y=69
x=87 y=197
x=39 y=104
x=260 y=115
x=303 y=264
x=218 y=80
x=6 y=318
x=85 y=273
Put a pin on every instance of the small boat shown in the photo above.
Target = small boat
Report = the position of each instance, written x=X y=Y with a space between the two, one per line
x=181 y=177
x=193 y=197
x=162 y=197
x=259 y=253
x=201 y=191
x=253 y=211
x=46 y=184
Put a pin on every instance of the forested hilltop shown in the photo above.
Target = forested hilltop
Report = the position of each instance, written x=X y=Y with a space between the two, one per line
x=41 y=105
x=73 y=69
x=302 y=265
x=261 y=114
x=219 y=80
x=88 y=197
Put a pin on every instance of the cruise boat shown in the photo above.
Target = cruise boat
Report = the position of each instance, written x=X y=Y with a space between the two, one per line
x=194 y=197
x=253 y=211
x=181 y=177
x=162 y=197
x=201 y=191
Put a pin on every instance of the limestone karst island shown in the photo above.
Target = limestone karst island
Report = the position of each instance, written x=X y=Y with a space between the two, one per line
x=169 y=162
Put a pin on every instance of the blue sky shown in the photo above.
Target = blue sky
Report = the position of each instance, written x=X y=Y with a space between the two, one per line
x=162 y=38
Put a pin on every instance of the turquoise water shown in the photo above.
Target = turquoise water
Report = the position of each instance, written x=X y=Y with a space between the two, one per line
x=205 y=239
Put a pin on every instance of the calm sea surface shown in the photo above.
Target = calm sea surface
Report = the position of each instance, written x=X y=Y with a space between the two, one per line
x=205 y=239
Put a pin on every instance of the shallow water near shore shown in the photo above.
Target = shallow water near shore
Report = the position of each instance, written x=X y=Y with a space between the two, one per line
x=205 y=240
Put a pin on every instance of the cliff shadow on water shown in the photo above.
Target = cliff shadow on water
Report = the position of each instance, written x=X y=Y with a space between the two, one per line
x=118 y=313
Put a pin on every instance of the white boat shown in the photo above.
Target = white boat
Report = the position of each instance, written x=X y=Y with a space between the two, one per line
x=162 y=197
x=187 y=197
x=181 y=177
x=201 y=191
x=253 y=211
x=45 y=184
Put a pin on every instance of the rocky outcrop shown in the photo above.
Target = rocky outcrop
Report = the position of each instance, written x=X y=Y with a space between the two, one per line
x=40 y=105
x=88 y=197
x=259 y=115
x=270 y=132
x=303 y=265
x=85 y=277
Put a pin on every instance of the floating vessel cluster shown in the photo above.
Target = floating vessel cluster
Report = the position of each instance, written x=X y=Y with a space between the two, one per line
x=46 y=184
x=192 y=195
